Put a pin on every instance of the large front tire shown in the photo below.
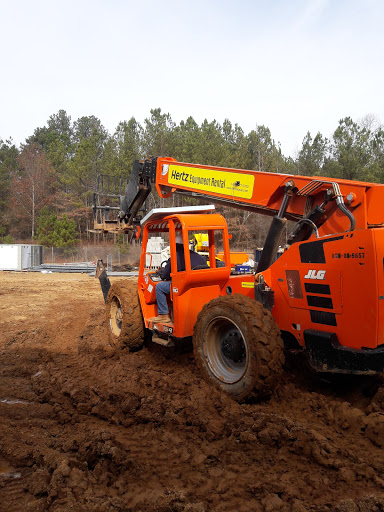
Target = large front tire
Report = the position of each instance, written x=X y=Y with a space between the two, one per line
x=238 y=347
x=125 y=321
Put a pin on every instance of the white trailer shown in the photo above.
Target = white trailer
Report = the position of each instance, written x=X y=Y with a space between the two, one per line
x=20 y=256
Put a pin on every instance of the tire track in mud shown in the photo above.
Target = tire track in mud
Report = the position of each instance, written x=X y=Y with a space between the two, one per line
x=98 y=431
x=12 y=494
x=21 y=419
x=221 y=436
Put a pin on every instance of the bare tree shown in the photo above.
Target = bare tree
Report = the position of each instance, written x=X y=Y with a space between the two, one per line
x=32 y=186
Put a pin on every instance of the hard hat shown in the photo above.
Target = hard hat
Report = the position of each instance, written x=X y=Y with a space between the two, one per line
x=179 y=237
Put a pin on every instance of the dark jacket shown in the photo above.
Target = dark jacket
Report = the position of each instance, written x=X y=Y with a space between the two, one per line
x=196 y=260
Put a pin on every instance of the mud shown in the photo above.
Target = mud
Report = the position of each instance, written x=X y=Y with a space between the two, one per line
x=86 y=429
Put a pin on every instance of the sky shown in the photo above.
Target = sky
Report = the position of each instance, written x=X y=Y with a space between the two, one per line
x=291 y=65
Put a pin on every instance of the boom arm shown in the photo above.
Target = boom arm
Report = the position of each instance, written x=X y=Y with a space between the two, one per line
x=264 y=192
x=319 y=205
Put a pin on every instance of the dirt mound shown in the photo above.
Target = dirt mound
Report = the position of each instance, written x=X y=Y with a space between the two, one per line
x=83 y=428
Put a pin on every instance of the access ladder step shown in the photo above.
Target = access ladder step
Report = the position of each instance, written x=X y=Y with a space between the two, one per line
x=162 y=341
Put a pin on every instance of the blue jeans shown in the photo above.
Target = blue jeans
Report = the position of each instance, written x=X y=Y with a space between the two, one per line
x=163 y=288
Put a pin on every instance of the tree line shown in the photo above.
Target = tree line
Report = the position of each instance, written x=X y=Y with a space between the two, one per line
x=46 y=184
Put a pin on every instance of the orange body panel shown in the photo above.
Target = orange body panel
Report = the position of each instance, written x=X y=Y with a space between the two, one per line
x=352 y=269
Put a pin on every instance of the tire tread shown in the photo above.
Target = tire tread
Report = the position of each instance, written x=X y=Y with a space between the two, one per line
x=132 y=330
x=265 y=344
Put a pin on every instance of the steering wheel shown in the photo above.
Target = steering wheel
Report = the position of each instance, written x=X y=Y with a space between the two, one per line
x=158 y=272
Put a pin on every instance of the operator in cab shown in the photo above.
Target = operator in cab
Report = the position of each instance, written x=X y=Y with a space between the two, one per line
x=163 y=288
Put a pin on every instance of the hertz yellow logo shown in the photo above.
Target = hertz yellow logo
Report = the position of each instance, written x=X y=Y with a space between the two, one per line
x=233 y=184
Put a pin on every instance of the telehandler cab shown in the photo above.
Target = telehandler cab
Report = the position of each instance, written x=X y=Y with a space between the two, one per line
x=324 y=294
x=236 y=342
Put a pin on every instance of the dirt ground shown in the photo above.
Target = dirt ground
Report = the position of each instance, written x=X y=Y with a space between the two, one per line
x=86 y=429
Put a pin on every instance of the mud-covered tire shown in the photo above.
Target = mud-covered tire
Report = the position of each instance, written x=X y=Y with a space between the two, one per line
x=124 y=317
x=237 y=346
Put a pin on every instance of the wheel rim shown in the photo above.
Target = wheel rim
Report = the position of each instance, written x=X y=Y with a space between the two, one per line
x=116 y=316
x=225 y=350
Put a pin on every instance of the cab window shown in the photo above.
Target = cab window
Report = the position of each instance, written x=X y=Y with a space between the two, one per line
x=207 y=243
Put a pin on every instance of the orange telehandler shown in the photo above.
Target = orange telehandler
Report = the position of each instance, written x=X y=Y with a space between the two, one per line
x=325 y=293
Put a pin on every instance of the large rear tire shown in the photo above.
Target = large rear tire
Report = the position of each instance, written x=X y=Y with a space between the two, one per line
x=125 y=321
x=237 y=346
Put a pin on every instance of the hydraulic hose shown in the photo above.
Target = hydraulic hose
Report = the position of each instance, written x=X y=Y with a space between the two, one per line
x=342 y=207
